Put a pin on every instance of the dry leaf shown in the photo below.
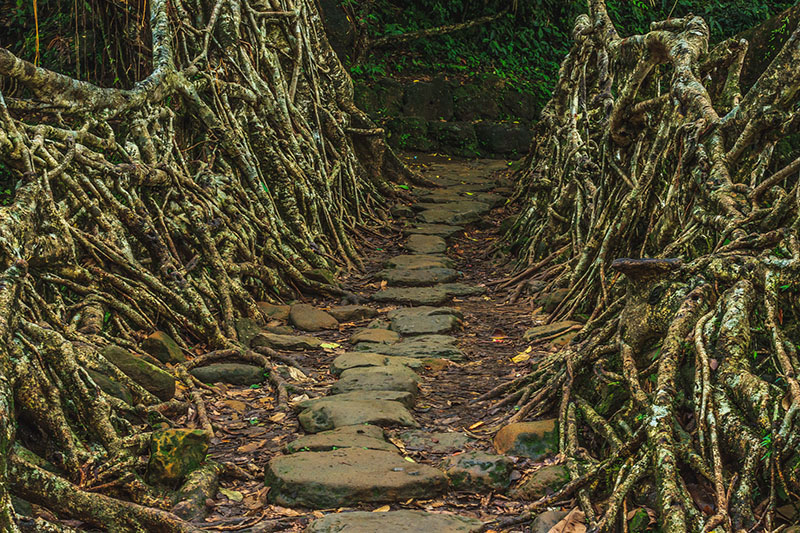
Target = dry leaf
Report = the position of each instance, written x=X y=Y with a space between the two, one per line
x=329 y=345
x=251 y=446
x=234 y=495
x=236 y=405
x=574 y=522
x=277 y=417
x=381 y=509
x=409 y=459
x=296 y=374
x=522 y=356
x=477 y=425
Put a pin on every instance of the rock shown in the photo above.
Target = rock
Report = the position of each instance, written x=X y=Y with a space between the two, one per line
x=233 y=373
x=442 y=230
x=457 y=138
x=412 y=295
x=401 y=211
x=163 y=347
x=503 y=138
x=424 y=347
x=111 y=387
x=426 y=244
x=461 y=289
x=382 y=336
x=335 y=413
x=393 y=377
x=309 y=318
x=350 y=313
x=528 y=439
x=550 y=301
x=418 y=277
x=322 y=480
x=546 y=521
x=278 y=330
x=542 y=482
x=436 y=442
x=411 y=262
x=274 y=311
x=156 y=381
x=394 y=522
x=405 y=398
x=364 y=436
x=478 y=472
x=410 y=133
x=287 y=342
x=549 y=330
x=174 y=453
x=424 y=320
x=349 y=360
x=432 y=100
x=454 y=213
x=247 y=329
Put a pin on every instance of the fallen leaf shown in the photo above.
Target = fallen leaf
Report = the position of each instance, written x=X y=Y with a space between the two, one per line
x=381 y=509
x=277 y=417
x=409 y=459
x=236 y=405
x=574 y=522
x=329 y=345
x=233 y=495
x=522 y=356
x=296 y=374
x=251 y=446
x=477 y=425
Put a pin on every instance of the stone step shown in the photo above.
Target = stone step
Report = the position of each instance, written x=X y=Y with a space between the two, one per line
x=324 y=480
x=424 y=320
x=412 y=261
x=349 y=360
x=442 y=230
x=334 y=413
x=422 y=347
x=435 y=295
x=426 y=244
x=418 y=277
x=391 y=377
x=394 y=522
x=405 y=398
x=364 y=436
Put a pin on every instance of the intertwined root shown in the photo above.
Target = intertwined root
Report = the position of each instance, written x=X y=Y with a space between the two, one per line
x=684 y=378
x=235 y=172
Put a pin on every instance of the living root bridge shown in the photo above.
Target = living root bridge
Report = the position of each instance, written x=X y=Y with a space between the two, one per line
x=237 y=171
x=680 y=394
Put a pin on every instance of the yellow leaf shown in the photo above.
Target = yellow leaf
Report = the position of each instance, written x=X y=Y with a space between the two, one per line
x=381 y=509
x=477 y=425
x=277 y=417
x=329 y=345
x=409 y=459
x=522 y=356
x=234 y=495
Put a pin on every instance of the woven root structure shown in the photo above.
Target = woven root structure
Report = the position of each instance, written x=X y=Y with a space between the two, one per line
x=664 y=204
x=238 y=170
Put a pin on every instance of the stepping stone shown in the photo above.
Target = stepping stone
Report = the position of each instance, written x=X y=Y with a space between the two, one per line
x=468 y=209
x=478 y=471
x=349 y=313
x=274 y=311
x=405 y=398
x=349 y=360
x=393 y=377
x=413 y=295
x=233 y=373
x=422 y=347
x=379 y=335
x=472 y=187
x=418 y=277
x=394 y=522
x=436 y=442
x=287 y=342
x=334 y=413
x=309 y=318
x=462 y=289
x=426 y=244
x=528 y=439
x=424 y=320
x=412 y=262
x=364 y=436
x=442 y=230
x=324 y=480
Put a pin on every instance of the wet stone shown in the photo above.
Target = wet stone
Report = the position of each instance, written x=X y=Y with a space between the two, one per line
x=442 y=230
x=394 y=522
x=287 y=342
x=426 y=244
x=363 y=436
x=528 y=439
x=377 y=335
x=434 y=442
x=478 y=472
x=425 y=347
x=334 y=413
x=322 y=480
x=349 y=360
x=233 y=373
x=415 y=261
x=413 y=295
x=418 y=277
x=405 y=398
x=394 y=377
x=542 y=482
x=424 y=320
x=350 y=313
x=309 y=318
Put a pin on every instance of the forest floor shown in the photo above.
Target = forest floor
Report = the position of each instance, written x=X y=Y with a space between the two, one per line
x=460 y=346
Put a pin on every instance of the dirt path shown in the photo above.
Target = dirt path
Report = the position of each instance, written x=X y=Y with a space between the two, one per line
x=391 y=428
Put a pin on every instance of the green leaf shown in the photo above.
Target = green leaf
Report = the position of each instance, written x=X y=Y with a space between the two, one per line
x=406 y=187
x=329 y=345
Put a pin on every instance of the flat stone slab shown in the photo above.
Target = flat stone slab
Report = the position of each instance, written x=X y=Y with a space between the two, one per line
x=287 y=342
x=309 y=318
x=424 y=347
x=454 y=213
x=434 y=295
x=405 y=398
x=447 y=196
x=434 y=442
x=380 y=335
x=335 y=413
x=478 y=471
x=349 y=360
x=442 y=230
x=349 y=313
x=394 y=522
x=426 y=244
x=418 y=277
x=423 y=310
x=425 y=325
x=364 y=436
x=411 y=261
x=323 y=480
x=233 y=373
x=462 y=289
x=393 y=377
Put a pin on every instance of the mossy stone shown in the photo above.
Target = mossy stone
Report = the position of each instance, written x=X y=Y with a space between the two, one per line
x=174 y=453
x=153 y=379
x=111 y=387
x=164 y=348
